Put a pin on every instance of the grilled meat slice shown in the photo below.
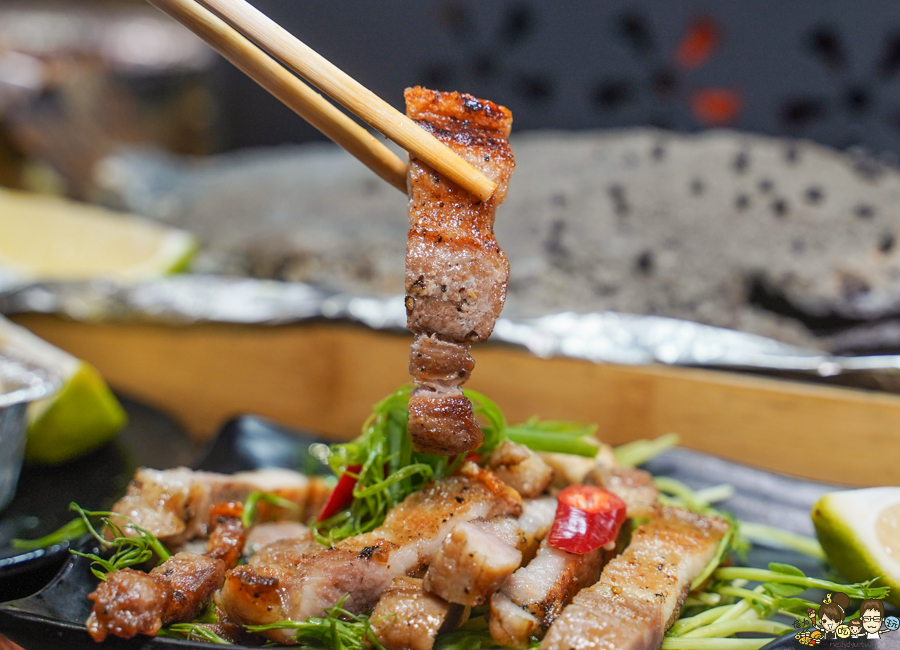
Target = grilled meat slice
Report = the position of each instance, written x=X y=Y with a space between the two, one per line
x=286 y=551
x=477 y=557
x=520 y=468
x=364 y=566
x=640 y=593
x=456 y=274
x=126 y=604
x=442 y=422
x=174 y=505
x=193 y=579
x=227 y=535
x=634 y=486
x=262 y=535
x=409 y=618
x=435 y=361
x=470 y=565
x=131 y=602
x=541 y=589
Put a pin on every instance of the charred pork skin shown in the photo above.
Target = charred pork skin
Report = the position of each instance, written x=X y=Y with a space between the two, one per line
x=456 y=273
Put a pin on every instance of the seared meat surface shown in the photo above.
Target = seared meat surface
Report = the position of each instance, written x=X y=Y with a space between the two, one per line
x=408 y=618
x=470 y=565
x=128 y=603
x=131 y=602
x=456 y=273
x=227 y=535
x=365 y=565
x=535 y=595
x=634 y=486
x=175 y=504
x=520 y=468
x=262 y=535
x=640 y=592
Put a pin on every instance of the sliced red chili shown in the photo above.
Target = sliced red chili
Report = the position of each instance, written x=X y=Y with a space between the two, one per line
x=341 y=496
x=587 y=517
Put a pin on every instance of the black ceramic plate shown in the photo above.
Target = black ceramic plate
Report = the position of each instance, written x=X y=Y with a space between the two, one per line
x=55 y=616
x=93 y=481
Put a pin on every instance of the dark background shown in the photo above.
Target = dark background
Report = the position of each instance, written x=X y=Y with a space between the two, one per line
x=828 y=70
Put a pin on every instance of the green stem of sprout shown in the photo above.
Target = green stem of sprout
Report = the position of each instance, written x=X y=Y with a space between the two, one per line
x=859 y=591
x=779 y=538
x=72 y=530
x=638 y=452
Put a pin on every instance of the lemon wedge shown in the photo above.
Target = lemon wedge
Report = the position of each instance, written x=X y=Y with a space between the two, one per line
x=860 y=533
x=82 y=415
x=48 y=238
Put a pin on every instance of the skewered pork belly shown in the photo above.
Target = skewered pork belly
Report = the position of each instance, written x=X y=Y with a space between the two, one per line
x=364 y=566
x=132 y=602
x=174 y=505
x=409 y=618
x=640 y=593
x=456 y=274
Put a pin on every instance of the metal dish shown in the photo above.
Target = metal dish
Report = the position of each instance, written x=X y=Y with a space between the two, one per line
x=20 y=385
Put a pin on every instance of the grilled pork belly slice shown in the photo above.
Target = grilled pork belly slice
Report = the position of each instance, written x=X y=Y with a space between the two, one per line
x=478 y=556
x=640 y=593
x=539 y=591
x=174 y=505
x=131 y=602
x=442 y=422
x=456 y=274
x=262 y=535
x=227 y=535
x=286 y=550
x=364 y=566
x=470 y=565
x=409 y=618
x=634 y=486
x=520 y=468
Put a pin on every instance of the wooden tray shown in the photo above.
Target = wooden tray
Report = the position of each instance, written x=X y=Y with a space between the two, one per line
x=325 y=378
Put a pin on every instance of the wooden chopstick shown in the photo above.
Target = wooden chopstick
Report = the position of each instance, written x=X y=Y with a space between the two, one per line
x=360 y=101
x=290 y=90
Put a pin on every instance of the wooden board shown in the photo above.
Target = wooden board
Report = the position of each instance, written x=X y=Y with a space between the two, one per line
x=326 y=377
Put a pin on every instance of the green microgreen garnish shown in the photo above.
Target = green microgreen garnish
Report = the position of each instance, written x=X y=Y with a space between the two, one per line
x=337 y=630
x=391 y=470
x=192 y=632
x=128 y=550
x=65 y=533
x=638 y=452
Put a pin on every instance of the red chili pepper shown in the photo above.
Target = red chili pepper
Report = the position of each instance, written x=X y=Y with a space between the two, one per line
x=342 y=494
x=587 y=517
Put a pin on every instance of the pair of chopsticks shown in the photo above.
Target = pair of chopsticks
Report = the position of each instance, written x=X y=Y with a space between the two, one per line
x=250 y=39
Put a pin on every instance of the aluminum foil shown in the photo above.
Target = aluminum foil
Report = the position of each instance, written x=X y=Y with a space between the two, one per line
x=606 y=337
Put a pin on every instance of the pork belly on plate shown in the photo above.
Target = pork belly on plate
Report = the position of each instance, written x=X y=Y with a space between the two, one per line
x=132 y=602
x=364 y=566
x=409 y=618
x=640 y=593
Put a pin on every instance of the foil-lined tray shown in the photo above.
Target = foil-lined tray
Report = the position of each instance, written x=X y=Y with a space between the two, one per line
x=606 y=337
